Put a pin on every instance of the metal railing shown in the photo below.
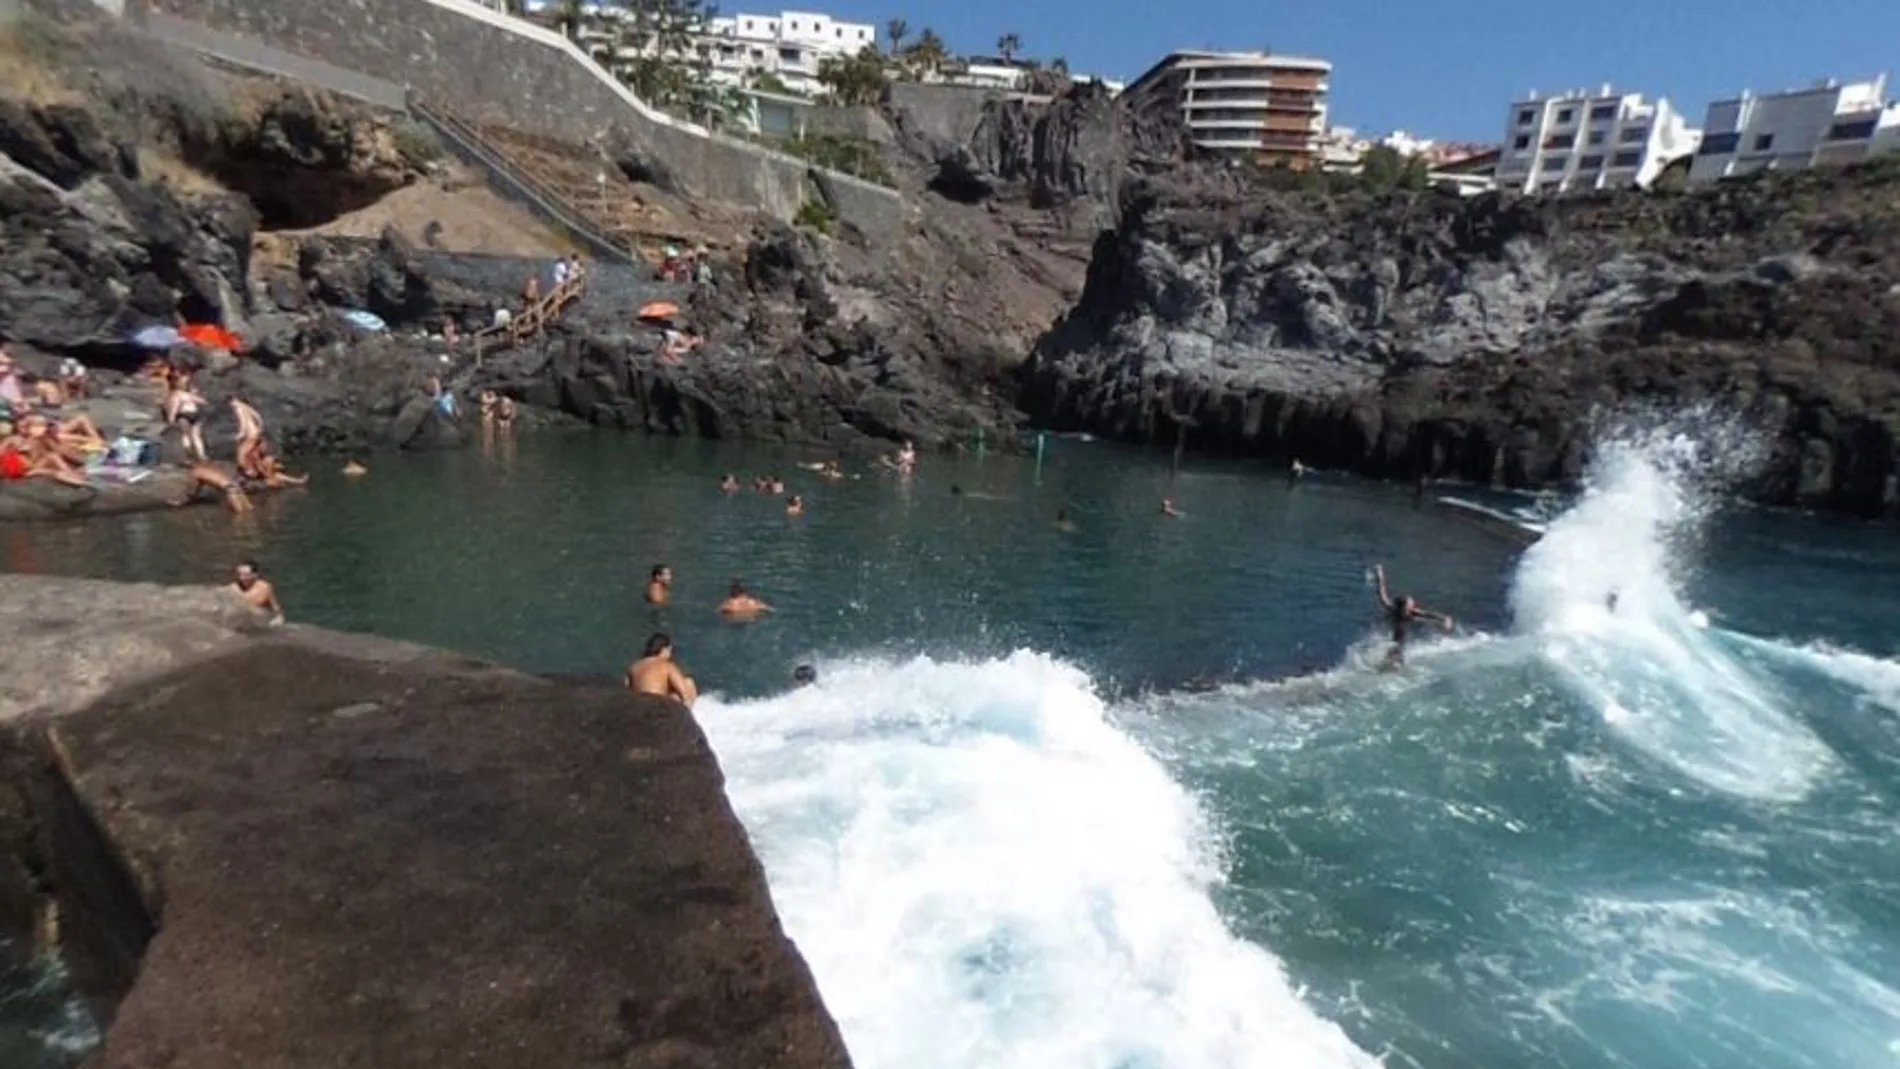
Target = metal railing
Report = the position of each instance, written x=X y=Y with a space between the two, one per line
x=468 y=145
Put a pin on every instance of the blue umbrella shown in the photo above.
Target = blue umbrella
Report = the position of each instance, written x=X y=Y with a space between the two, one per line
x=158 y=337
x=364 y=320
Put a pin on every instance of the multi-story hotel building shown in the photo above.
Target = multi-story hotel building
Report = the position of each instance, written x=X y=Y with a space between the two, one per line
x=1257 y=104
x=1582 y=140
x=1828 y=123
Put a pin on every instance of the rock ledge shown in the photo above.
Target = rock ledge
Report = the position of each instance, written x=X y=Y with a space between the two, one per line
x=301 y=848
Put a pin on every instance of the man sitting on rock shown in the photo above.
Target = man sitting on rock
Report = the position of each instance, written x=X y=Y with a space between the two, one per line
x=50 y=455
x=675 y=344
x=268 y=473
x=656 y=673
x=26 y=456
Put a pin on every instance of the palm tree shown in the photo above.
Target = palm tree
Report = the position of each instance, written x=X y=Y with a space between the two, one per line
x=1008 y=45
x=572 y=14
x=897 y=30
x=929 y=53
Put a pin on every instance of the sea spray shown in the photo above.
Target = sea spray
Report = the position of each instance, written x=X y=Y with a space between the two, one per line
x=984 y=872
x=1601 y=593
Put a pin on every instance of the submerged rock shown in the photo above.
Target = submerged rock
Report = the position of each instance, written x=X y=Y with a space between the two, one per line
x=301 y=848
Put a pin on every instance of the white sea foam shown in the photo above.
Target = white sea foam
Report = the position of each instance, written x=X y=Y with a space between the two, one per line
x=984 y=872
x=1660 y=677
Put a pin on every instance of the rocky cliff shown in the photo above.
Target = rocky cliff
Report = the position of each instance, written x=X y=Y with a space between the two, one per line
x=291 y=847
x=1419 y=334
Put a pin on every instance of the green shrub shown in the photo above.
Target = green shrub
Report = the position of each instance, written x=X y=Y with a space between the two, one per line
x=846 y=155
x=415 y=142
x=816 y=215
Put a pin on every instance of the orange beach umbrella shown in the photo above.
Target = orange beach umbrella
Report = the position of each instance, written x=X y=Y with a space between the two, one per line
x=211 y=336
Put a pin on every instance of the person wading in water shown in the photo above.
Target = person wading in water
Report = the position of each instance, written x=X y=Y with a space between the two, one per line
x=659 y=584
x=257 y=592
x=1401 y=613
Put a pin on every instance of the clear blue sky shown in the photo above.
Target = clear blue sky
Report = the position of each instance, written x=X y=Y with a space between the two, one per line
x=1440 y=68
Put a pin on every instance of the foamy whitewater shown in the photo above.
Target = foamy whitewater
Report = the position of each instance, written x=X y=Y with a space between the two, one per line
x=983 y=871
x=1616 y=836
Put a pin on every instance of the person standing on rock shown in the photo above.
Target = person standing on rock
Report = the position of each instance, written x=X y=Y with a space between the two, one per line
x=250 y=439
x=656 y=673
x=257 y=592
x=12 y=389
x=184 y=409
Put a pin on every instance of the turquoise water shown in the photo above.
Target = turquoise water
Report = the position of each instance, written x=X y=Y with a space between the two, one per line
x=1054 y=804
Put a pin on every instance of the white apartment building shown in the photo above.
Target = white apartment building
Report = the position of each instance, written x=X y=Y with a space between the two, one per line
x=789 y=46
x=1827 y=123
x=1582 y=140
x=1263 y=105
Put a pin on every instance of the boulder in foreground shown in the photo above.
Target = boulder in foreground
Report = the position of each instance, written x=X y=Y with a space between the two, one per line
x=299 y=848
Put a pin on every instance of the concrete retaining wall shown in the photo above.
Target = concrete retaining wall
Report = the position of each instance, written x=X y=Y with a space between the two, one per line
x=949 y=112
x=861 y=124
x=255 y=55
x=491 y=67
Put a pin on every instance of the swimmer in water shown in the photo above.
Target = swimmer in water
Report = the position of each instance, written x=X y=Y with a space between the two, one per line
x=659 y=584
x=729 y=484
x=795 y=506
x=1609 y=600
x=1401 y=613
x=804 y=675
x=1063 y=522
x=256 y=591
x=656 y=673
x=1167 y=507
x=741 y=605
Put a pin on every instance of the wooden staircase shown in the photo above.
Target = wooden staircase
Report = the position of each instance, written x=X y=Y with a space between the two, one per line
x=533 y=319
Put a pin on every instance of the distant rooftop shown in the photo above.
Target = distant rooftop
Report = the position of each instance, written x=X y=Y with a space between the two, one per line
x=1260 y=56
x=1209 y=56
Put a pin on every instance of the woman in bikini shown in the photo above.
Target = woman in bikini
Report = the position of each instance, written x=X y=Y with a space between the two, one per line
x=184 y=409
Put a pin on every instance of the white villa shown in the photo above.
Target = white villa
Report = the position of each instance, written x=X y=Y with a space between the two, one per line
x=788 y=46
x=1827 y=123
x=1582 y=140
